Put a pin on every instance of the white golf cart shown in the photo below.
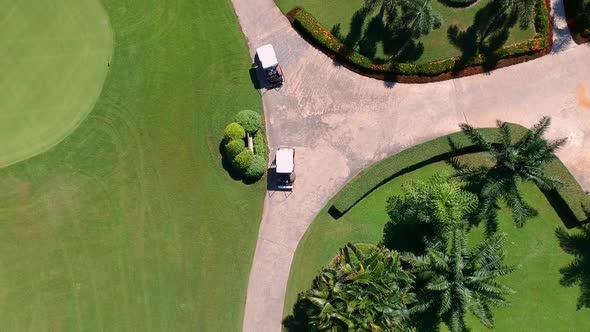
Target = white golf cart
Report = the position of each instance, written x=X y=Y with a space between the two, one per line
x=285 y=162
x=270 y=65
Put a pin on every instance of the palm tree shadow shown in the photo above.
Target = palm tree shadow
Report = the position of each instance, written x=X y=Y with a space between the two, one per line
x=488 y=33
x=578 y=271
x=368 y=31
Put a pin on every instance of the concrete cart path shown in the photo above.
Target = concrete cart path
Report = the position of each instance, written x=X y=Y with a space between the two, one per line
x=340 y=122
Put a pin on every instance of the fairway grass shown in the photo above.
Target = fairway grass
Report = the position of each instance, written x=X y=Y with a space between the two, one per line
x=53 y=62
x=540 y=302
x=131 y=223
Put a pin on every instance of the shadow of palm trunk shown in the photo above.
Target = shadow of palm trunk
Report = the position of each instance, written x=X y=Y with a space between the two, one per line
x=578 y=271
x=485 y=36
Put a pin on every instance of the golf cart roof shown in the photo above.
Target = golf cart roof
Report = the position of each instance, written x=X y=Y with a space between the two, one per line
x=267 y=56
x=284 y=160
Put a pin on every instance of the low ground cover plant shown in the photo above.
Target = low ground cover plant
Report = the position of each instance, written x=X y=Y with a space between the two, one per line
x=241 y=161
x=339 y=300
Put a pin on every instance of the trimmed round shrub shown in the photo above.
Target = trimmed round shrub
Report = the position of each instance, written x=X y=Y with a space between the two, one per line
x=243 y=160
x=234 y=131
x=257 y=167
x=234 y=147
x=250 y=120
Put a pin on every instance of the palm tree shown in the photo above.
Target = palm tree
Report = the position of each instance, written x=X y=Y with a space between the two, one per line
x=426 y=212
x=514 y=162
x=460 y=280
x=419 y=17
x=416 y=17
x=523 y=9
x=360 y=290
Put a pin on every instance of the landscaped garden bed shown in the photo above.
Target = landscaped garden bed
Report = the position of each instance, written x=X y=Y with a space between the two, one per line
x=535 y=247
x=351 y=36
x=577 y=14
x=458 y=237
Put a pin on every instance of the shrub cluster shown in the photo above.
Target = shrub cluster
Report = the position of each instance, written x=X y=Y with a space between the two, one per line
x=572 y=195
x=309 y=26
x=243 y=161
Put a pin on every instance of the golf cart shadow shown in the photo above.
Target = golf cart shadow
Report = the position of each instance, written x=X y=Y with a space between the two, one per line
x=271 y=183
x=257 y=77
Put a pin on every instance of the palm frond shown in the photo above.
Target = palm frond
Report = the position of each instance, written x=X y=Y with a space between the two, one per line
x=477 y=137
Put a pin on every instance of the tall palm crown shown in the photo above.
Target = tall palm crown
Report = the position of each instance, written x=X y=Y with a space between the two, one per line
x=514 y=162
x=361 y=291
x=461 y=280
x=523 y=9
x=431 y=208
x=418 y=17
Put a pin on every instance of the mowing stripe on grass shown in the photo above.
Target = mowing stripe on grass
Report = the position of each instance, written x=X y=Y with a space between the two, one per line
x=131 y=223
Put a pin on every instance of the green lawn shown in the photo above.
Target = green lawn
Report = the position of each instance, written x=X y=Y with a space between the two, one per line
x=540 y=303
x=53 y=60
x=437 y=44
x=131 y=223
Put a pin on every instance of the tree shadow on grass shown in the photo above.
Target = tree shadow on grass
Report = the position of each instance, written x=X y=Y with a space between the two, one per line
x=407 y=237
x=488 y=33
x=298 y=321
x=578 y=271
x=368 y=30
x=475 y=184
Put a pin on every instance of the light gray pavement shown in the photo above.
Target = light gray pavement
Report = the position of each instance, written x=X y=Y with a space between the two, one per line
x=340 y=122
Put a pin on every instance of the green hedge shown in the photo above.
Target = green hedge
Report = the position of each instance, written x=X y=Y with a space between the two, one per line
x=308 y=25
x=259 y=144
x=442 y=148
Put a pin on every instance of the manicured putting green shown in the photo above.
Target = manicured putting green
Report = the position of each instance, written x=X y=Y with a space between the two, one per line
x=53 y=62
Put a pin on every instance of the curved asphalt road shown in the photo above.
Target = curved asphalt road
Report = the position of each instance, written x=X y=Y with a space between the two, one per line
x=340 y=122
